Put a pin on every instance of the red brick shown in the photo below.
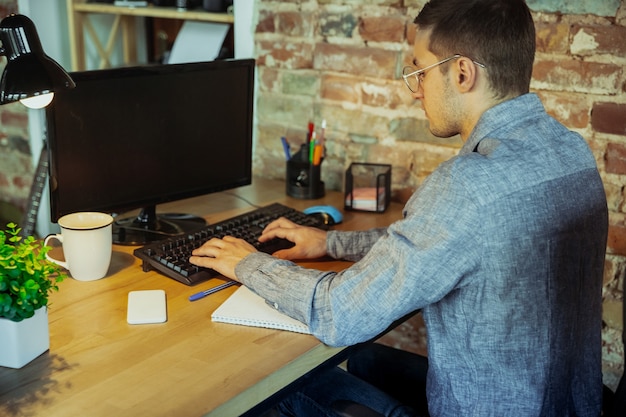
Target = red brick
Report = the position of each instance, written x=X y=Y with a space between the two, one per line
x=371 y=62
x=268 y=79
x=4 y=181
x=614 y=196
x=21 y=182
x=340 y=88
x=7 y=8
x=295 y=24
x=411 y=28
x=284 y=54
x=591 y=40
x=570 y=109
x=598 y=148
x=413 y=4
x=552 y=37
x=572 y=75
x=611 y=271
x=266 y=22
x=386 y=95
x=616 y=242
x=15 y=119
x=615 y=158
x=382 y=28
x=609 y=118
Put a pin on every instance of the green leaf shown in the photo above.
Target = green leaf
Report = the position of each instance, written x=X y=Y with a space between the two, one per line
x=26 y=277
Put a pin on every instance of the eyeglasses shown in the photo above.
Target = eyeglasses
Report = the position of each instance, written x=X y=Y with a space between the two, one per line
x=413 y=77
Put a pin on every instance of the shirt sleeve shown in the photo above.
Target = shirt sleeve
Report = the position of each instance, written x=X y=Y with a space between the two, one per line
x=352 y=246
x=414 y=262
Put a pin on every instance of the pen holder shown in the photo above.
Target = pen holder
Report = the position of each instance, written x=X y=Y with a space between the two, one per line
x=368 y=187
x=303 y=177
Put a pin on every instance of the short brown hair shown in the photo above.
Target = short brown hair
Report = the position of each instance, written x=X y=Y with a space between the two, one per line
x=497 y=33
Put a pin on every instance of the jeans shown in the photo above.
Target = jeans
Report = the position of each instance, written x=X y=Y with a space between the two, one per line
x=390 y=381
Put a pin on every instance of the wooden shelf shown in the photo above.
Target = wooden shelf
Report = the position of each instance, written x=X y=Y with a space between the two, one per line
x=154 y=11
x=125 y=22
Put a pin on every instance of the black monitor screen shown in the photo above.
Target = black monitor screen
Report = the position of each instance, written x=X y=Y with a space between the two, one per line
x=130 y=138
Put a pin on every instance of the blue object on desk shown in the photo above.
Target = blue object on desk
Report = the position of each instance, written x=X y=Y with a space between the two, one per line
x=210 y=291
x=329 y=214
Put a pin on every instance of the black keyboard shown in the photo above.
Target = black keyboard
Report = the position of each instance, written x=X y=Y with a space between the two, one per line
x=171 y=256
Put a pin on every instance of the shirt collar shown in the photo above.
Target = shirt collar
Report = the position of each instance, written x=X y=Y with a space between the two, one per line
x=503 y=114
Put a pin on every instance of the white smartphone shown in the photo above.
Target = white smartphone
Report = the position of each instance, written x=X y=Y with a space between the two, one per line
x=147 y=306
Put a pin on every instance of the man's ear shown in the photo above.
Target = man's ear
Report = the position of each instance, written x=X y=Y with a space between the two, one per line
x=466 y=72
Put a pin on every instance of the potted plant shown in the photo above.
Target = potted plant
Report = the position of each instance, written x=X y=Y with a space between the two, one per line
x=26 y=280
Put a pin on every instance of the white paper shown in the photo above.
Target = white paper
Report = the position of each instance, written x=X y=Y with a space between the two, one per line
x=198 y=42
x=246 y=308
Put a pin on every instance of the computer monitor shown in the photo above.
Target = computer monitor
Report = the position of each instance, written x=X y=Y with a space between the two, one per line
x=133 y=138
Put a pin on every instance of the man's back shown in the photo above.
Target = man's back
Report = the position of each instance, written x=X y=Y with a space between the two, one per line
x=520 y=333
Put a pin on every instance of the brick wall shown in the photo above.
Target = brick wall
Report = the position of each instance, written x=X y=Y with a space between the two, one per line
x=16 y=170
x=341 y=61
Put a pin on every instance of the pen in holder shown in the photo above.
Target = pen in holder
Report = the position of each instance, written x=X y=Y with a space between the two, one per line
x=303 y=176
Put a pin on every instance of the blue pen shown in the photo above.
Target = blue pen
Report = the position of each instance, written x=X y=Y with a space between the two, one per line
x=211 y=290
x=286 y=148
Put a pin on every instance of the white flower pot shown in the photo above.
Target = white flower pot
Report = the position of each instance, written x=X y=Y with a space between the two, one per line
x=23 y=341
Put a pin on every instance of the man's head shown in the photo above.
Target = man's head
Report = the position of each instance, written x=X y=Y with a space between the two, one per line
x=500 y=34
x=469 y=55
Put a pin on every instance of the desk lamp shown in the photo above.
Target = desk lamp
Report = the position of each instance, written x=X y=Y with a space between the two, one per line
x=30 y=75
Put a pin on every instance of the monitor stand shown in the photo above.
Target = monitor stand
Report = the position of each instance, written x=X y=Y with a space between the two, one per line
x=148 y=226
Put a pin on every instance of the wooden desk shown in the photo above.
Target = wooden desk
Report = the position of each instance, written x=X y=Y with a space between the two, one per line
x=98 y=365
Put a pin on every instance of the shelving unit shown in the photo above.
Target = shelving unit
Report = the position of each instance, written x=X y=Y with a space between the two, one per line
x=124 y=22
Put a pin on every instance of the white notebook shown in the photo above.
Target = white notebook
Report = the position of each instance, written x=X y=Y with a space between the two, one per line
x=248 y=309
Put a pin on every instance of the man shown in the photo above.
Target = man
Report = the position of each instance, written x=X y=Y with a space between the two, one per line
x=502 y=247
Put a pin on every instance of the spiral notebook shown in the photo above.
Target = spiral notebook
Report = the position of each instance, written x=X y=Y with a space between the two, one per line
x=246 y=308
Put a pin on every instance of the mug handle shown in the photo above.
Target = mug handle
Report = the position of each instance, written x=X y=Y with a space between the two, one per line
x=56 y=261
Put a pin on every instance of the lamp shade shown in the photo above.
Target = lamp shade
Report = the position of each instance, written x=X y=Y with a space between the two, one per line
x=29 y=72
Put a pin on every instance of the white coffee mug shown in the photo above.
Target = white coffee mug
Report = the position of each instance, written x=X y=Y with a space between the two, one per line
x=87 y=244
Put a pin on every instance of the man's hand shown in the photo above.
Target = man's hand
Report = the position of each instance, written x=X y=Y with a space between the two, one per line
x=222 y=255
x=310 y=243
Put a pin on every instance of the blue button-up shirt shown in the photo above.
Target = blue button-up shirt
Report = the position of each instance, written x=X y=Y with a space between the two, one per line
x=503 y=248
